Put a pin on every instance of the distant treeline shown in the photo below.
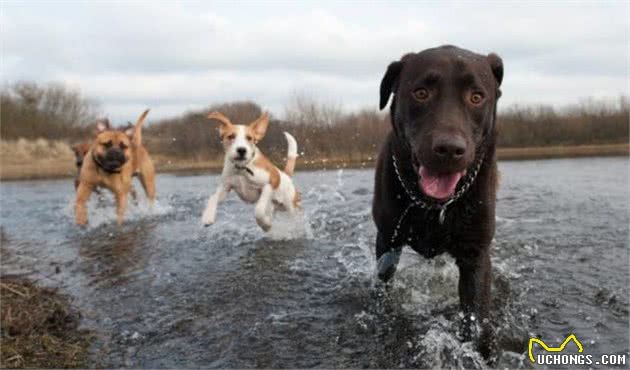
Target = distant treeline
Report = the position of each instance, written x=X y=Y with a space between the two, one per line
x=323 y=131
x=53 y=111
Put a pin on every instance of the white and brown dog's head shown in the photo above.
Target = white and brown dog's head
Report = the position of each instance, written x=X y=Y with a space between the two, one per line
x=239 y=141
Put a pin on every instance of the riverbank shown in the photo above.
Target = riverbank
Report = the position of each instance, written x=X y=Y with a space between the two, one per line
x=39 y=328
x=62 y=166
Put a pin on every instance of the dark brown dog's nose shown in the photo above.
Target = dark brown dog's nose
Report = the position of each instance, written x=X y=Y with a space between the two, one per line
x=449 y=146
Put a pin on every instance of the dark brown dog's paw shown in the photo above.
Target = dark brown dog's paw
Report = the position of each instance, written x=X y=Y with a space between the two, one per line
x=387 y=263
x=470 y=330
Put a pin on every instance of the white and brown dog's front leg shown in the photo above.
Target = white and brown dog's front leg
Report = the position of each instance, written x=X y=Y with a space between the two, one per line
x=210 y=214
x=264 y=208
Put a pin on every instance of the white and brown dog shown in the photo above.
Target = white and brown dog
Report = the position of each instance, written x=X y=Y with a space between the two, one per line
x=250 y=174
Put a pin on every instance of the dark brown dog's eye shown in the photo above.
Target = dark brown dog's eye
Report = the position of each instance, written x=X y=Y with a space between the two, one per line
x=476 y=98
x=421 y=94
x=108 y=144
x=123 y=146
x=249 y=138
x=231 y=137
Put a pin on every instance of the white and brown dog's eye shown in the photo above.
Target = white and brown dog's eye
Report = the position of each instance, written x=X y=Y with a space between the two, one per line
x=249 y=138
x=231 y=136
x=421 y=94
x=476 y=98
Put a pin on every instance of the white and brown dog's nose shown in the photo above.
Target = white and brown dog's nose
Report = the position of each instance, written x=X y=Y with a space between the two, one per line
x=241 y=151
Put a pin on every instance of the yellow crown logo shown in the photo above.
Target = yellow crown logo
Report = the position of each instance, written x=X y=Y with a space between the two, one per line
x=553 y=349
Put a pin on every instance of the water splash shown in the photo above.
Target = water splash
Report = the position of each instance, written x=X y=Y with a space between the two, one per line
x=287 y=227
x=102 y=209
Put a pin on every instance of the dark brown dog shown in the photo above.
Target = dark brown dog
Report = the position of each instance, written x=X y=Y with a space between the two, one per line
x=80 y=150
x=113 y=159
x=436 y=176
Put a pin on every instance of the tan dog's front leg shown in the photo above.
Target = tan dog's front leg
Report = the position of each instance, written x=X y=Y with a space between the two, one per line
x=80 y=210
x=263 y=206
x=210 y=214
x=121 y=206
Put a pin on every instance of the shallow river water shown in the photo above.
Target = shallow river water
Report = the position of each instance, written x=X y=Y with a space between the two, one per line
x=163 y=291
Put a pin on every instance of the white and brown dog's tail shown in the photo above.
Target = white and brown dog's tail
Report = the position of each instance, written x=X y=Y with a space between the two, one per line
x=292 y=153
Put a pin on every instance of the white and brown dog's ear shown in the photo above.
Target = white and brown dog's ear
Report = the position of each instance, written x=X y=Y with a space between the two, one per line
x=225 y=127
x=102 y=124
x=258 y=128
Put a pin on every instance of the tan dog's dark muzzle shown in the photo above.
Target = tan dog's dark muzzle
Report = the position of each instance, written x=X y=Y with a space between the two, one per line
x=112 y=161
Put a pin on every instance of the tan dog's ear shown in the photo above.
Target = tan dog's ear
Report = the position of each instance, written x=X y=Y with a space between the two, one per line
x=259 y=126
x=129 y=130
x=102 y=125
x=136 y=133
x=226 y=125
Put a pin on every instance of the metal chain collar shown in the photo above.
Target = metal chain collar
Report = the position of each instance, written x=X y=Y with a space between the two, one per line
x=417 y=201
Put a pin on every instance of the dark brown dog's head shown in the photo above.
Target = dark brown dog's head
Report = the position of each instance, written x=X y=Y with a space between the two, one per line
x=443 y=110
x=80 y=150
x=112 y=148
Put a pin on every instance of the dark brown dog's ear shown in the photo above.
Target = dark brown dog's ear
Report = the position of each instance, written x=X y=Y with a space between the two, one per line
x=496 y=64
x=389 y=82
x=102 y=125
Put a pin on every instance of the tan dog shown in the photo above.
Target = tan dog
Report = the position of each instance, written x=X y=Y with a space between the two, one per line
x=251 y=175
x=80 y=150
x=111 y=162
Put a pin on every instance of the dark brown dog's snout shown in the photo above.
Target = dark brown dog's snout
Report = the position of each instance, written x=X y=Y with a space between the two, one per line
x=448 y=147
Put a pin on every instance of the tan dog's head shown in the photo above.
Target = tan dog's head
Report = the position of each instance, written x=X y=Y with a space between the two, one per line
x=112 y=148
x=80 y=150
x=239 y=141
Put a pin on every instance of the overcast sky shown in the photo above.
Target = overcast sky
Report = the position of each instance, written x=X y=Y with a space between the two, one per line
x=177 y=56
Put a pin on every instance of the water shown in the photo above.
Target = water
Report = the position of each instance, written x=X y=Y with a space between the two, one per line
x=163 y=291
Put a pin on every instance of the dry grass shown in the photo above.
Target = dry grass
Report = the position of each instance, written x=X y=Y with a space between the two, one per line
x=38 y=328
x=25 y=151
x=30 y=159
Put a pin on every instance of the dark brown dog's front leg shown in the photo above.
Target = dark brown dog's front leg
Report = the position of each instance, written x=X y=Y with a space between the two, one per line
x=474 y=294
x=387 y=257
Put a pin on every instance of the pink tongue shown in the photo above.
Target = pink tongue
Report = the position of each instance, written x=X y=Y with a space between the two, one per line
x=436 y=186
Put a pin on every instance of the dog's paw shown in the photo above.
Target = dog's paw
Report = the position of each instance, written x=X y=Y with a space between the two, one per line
x=207 y=219
x=264 y=224
x=387 y=263
x=468 y=329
